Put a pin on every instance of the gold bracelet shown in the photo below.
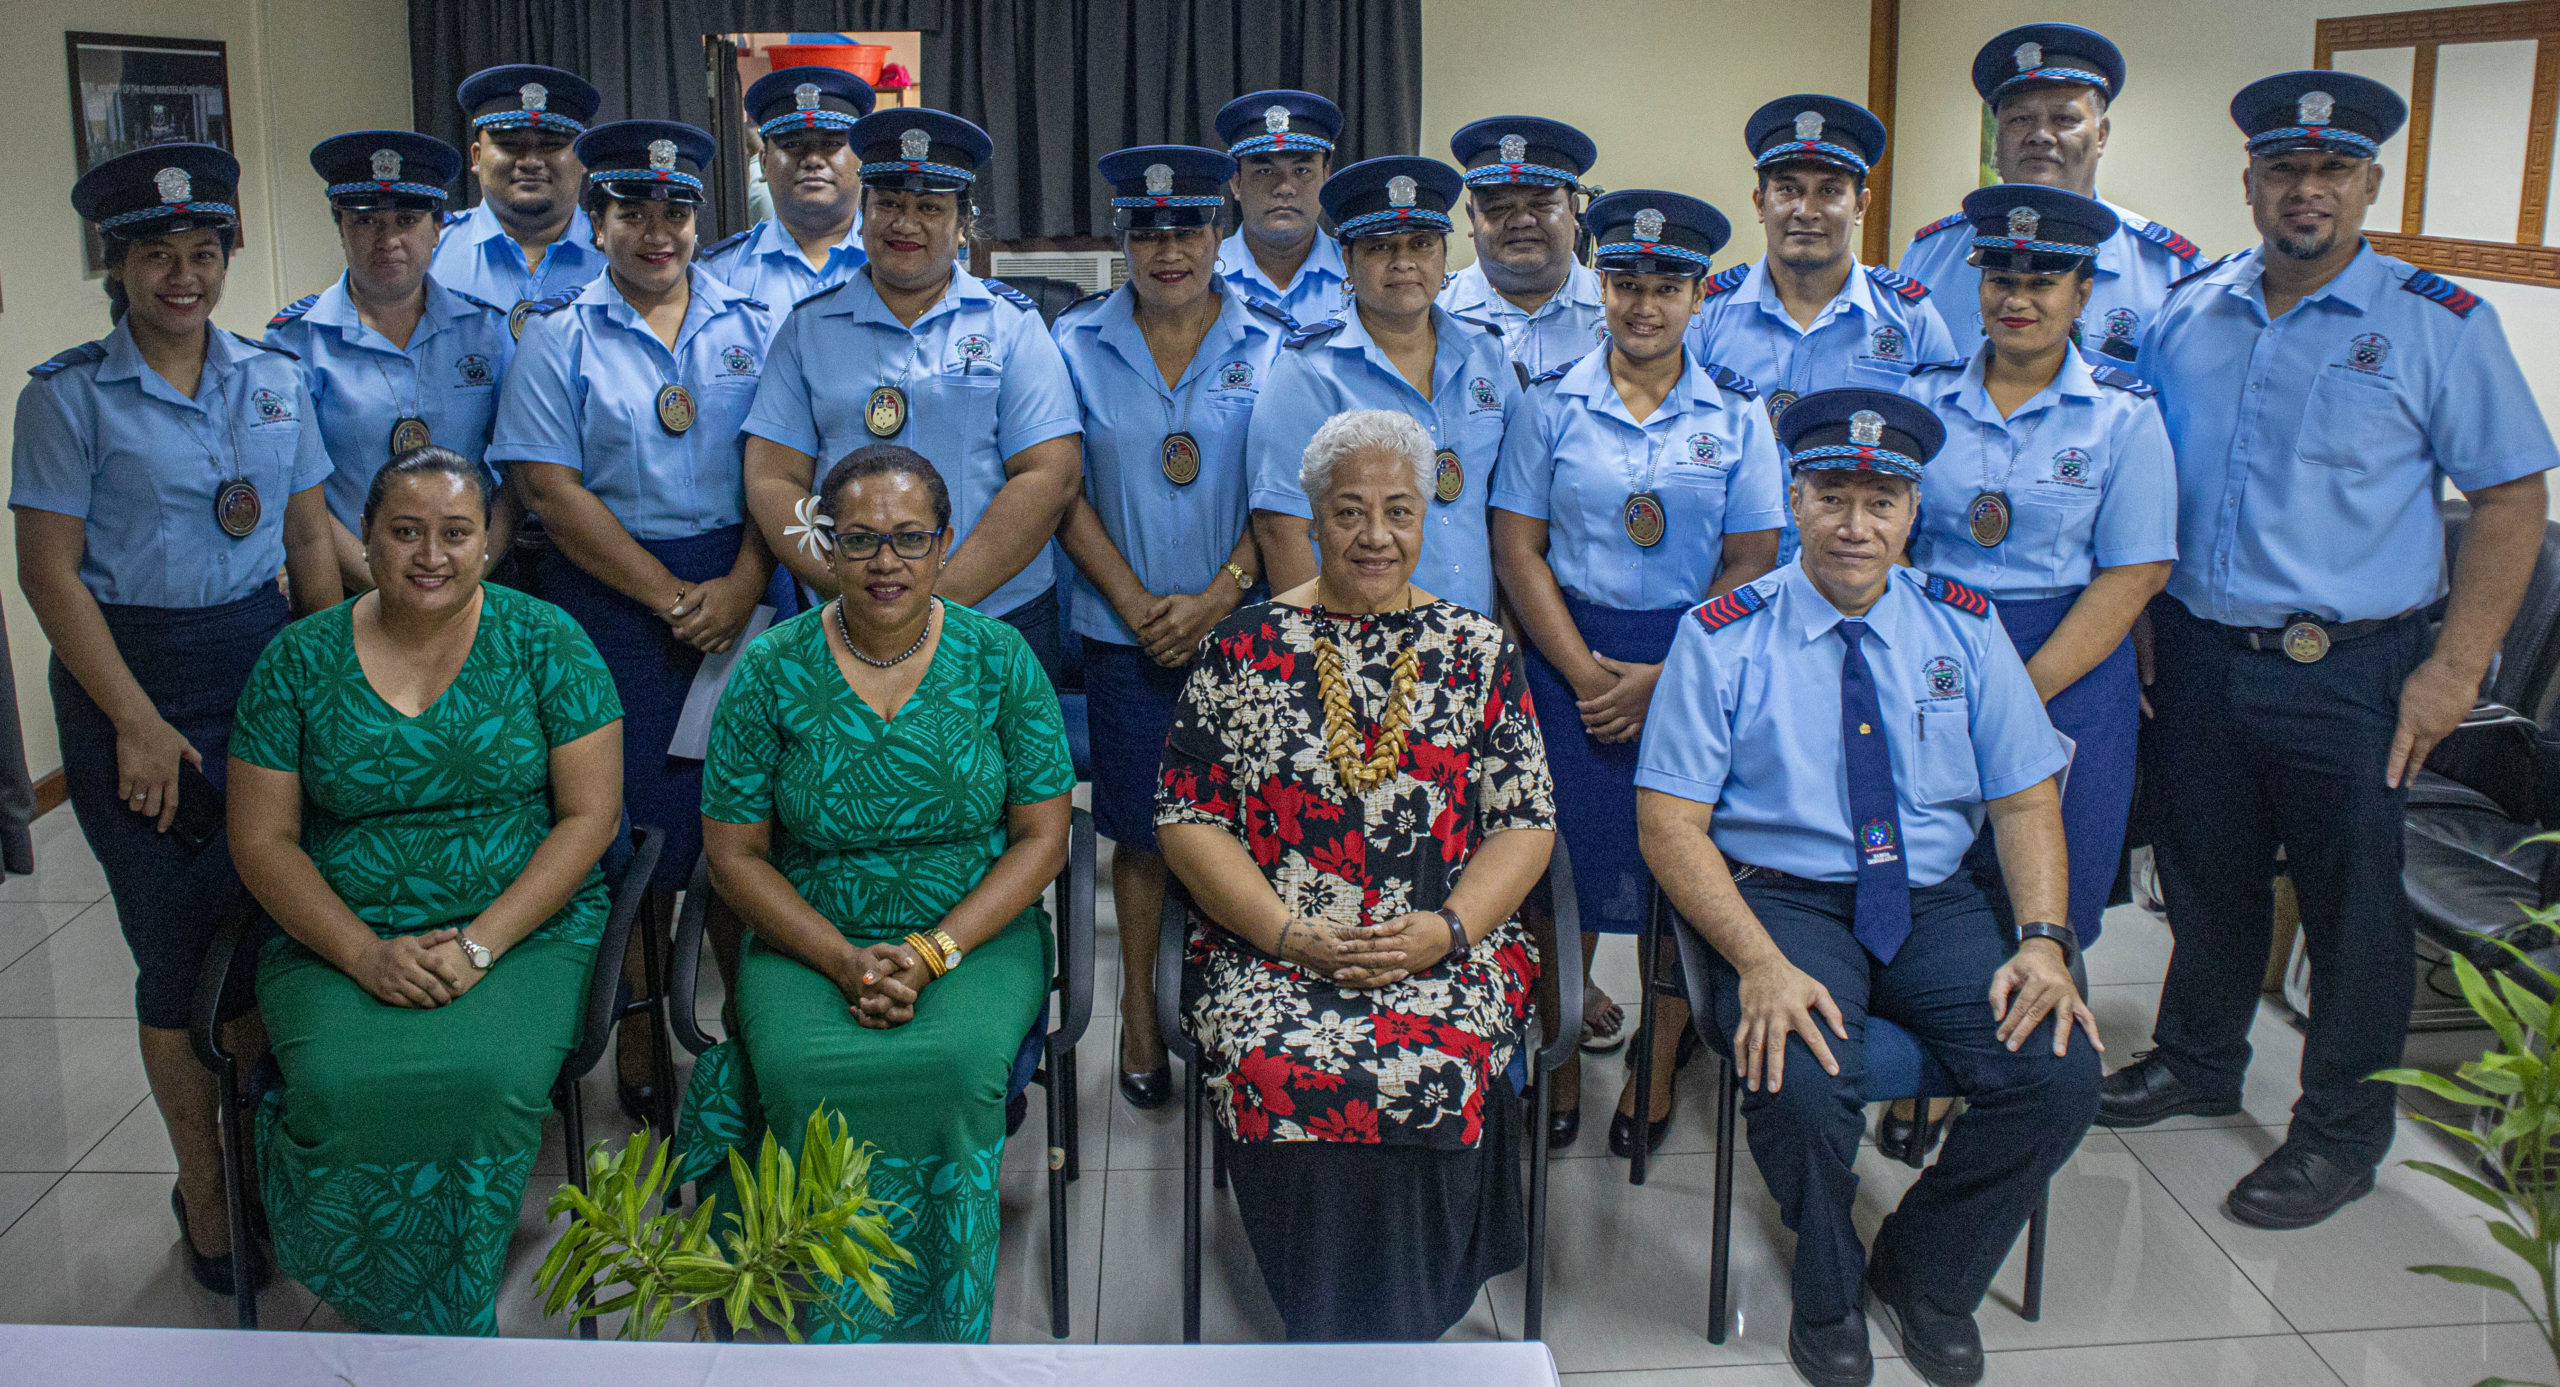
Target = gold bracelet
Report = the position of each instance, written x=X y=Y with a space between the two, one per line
x=1244 y=581
x=930 y=952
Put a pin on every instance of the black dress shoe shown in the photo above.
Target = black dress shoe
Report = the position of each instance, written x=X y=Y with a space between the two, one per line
x=2145 y=1092
x=1894 y=1134
x=1622 y=1133
x=214 y=1273
x=1944 y=1348
x=2295 y=1188
x=1150 y=1090
x=1833 y=1354
x=639 y=1101
x=1563 y=1128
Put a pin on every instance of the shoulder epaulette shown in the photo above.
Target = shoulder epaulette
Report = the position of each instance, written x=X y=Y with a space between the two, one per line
x=2427 y=284
x=1557 y=374
x=83 y=354
x=2123 y=380
x=1730 y=608
x=1494 y=328
x=723 y=244
x=820 y=294
x=1272 y=311
x=2201 y=271
x=1900 y=285
x=526 y=311
x=1313 y=333
x=2170 y=241
x=292 y=311
x=554 y=303
x=1728 y=281
x=1941 y=224
x=1734 y=381
x=758 y=305
x=1957 y=595
x=472 y=299
x=1081 y=304
x=1012 y=295
x=447 y=218
x=265 y=346
x=1929 y=367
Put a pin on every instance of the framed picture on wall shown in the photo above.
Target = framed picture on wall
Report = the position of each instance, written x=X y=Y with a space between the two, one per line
x=129 y=92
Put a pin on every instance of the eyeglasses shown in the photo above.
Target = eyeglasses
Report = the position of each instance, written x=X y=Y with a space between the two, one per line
x=906 y=544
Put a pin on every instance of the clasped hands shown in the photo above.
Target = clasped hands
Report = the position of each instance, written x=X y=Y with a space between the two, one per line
x=880 y=983
x=709 y=615
x=1360 y=957
x=423 y=970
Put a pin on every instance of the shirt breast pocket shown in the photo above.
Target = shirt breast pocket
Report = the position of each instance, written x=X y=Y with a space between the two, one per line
x=267 y=452
x=1873 y=373
x=968 y=406
x=2350 y=420
x=1942 y=764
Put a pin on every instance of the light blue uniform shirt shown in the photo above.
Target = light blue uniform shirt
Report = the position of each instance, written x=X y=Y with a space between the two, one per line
x=983 y=382
x=361 y=385
x=764 y=263
x=1747 y=718
x=2310 y=449
x=478 y=257
x=102 y=436
x=2086 y=467
x=1321 y=290
x=1474 y=393
x=1575 y=455
x=1176 y=537
x=2135 y=268
x=1563 y=330
x=584 y=394
x=1870 y=335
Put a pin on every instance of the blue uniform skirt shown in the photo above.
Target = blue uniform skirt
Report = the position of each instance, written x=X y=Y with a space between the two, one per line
x=192 y=662
x=1129 y=704
x=652 y=672
x=1596 y=781
x=2102 y=713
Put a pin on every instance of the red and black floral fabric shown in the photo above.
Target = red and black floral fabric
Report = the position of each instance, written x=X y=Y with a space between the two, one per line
x=1290 y=1056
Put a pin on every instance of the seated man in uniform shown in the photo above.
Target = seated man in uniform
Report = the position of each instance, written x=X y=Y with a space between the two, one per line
x=1824 y=744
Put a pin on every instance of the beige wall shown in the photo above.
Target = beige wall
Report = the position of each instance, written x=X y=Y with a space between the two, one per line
x=301 y=70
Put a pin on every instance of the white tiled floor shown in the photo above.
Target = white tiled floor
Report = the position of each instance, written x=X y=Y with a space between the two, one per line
x=2148 y=1281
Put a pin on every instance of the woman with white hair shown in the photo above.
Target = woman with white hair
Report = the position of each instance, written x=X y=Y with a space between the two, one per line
x=1356 y=795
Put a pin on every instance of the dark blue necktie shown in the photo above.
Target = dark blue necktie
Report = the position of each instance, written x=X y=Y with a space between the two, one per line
x=1883 y=917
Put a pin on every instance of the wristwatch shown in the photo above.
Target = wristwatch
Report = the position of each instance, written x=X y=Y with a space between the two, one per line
x=1244 y=581
x=478 y=952
x=2018 y=935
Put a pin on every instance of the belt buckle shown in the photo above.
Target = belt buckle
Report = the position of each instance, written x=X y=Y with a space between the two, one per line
x=2306 y=642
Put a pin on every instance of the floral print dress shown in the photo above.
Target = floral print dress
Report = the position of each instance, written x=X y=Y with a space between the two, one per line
x=1290 y=1057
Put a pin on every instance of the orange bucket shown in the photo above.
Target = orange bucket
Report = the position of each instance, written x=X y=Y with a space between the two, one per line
x=863 y=60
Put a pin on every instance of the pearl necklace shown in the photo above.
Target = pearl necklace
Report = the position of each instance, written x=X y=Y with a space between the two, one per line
x=898 y=659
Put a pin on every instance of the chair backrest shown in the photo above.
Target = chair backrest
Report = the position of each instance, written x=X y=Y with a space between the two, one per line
x=1054 y=296
x=2529 y=657
x=1173 y=936
x=625 y=889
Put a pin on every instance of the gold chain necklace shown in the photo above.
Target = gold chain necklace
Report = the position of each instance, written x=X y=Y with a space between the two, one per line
x=1341 y=732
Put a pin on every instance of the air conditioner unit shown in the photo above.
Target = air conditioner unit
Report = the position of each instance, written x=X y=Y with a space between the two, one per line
x=1093 y=270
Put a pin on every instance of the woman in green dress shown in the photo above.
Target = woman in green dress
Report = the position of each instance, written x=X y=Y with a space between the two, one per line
x=422 y=782
x=885 y=799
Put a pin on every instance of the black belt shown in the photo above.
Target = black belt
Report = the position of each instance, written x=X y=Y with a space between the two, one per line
x=2306 y=639
x=1771 y=876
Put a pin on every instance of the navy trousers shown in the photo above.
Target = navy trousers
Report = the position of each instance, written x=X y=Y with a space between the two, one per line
x=2025 y=1111
x=2252 y=753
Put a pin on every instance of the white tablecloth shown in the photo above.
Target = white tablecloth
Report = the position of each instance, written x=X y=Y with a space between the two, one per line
x=66 y=1356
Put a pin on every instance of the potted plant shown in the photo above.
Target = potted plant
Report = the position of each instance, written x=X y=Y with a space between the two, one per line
x=785 y=1231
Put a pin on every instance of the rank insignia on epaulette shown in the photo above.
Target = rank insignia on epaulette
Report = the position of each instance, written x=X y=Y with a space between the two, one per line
x=2427 y=284
x=1730 y=608
x=1728 y=281
x=1941 y=224
x=1957 y=595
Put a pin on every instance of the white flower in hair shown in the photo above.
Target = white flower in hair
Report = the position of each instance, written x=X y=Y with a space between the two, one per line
x=816 y=530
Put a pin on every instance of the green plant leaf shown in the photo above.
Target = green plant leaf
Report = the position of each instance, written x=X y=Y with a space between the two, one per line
x=2472 y=1276
x=2474 y=1188
x=2436 y=1084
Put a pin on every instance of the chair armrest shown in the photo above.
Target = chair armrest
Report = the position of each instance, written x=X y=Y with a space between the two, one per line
x=604 y=983
x=684 y=963
x=1567 y=1022
x=224 y=962
x=1075 y=937
x=1694 y=966
x=2492 y=751
x=1173 y=935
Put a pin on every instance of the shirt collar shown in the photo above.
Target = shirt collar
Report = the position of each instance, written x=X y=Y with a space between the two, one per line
x=481 y=224
x=336 y=308
x=1968 y=389
x=2352 y=288
x=772 y=238
x=124 y=362
x=1115 y=325
x=1235 y=260
x=710 y=298
x=860 y=300
x=1811 y=614
x=1472 y=291
x=1588 y=379
x=1448 y=355
x=1858 y=292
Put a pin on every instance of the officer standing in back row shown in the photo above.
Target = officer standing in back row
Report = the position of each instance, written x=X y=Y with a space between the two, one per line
x=1524 y=176
x=1282 y=142
x=2049 y=86
x=813 y=240
x=527 y=240
x=2318 y=394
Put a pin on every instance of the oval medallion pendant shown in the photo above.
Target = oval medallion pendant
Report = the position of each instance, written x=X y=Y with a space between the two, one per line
x=1450 y=475
x=1987 y=519
x=885 y=412
x=1644 y=519
x=675 y=409
x=236 y=508
x=409 y=435
x=1778 y=402
x=1181 y=459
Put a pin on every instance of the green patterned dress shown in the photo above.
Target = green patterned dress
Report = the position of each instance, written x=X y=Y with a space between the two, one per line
x=883 y=826
x=393 y=1160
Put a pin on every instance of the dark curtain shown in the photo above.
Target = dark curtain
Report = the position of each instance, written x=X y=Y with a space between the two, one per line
x=1056 y=83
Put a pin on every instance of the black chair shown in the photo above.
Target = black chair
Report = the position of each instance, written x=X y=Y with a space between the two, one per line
x=1054 y=296
x=1173 y=935
x=1898 y=1066
x=233 y=959
x=1048 y=1055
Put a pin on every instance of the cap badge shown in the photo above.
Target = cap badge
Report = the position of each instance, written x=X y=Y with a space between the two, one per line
x=662 y=154
x=1649 y=224
x=533 y=96
x=1515 y=149
x=1275 y=120
x=2023 y=222
x=1809 y=125
x=2315 y=108
x=1159 y=179
x=2030 y=56
x=386 y=165
x=1400 y=191
x=1866 y=428
x=914 y=144
x=805 y=96
x=174 y=185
